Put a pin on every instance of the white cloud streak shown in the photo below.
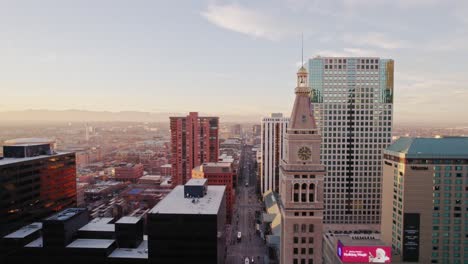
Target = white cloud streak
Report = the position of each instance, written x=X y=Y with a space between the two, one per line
x=246 y=21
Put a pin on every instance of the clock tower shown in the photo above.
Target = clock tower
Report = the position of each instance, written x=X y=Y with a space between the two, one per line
x=301 y=183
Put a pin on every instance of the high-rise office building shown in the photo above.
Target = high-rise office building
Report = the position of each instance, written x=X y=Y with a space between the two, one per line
x=353 y=104
x=425 y=199
x=35 y=181
x=194 y=140
x=188 y=225
x=273 y=129
x=301 y=186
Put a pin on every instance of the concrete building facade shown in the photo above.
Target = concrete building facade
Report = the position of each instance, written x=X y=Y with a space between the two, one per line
x=425 y=199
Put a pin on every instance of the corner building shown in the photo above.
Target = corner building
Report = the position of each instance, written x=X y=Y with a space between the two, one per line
x=425 y=200
x=353 y=103
x=301 y=185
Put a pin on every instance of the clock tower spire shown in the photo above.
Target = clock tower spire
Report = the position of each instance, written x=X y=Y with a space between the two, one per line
x=301 y=182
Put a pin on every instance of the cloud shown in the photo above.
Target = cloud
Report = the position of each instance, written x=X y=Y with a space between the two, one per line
x=377 y=40
x=246 y=21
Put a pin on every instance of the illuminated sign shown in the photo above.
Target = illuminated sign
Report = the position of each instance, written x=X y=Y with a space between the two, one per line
x=364 y=254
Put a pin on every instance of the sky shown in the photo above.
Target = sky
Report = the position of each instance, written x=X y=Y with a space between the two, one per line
x=224 y=57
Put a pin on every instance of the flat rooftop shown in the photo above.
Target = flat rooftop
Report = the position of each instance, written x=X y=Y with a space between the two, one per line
x=176 y=203
x=28 y=141
x=217 y=164
x=347 y=240
x=141 y=252
x=35 y=243
x=65 y=214
x=128 y=220
x=91 y=243
x=25 y=231
x=99 y=224
x=444 y=147
x=196 y=182
x=7 y=161
x=353 y=235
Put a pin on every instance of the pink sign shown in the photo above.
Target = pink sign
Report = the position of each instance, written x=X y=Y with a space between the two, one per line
x=364 y=254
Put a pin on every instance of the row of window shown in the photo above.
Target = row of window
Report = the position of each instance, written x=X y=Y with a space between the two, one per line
x=304 y=228
x=309 y=251
x=303 y=261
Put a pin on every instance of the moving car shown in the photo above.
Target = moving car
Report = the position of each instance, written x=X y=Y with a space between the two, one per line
x=239 y=235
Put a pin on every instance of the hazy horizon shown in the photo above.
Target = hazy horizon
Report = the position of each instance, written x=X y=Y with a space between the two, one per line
x=76 y=115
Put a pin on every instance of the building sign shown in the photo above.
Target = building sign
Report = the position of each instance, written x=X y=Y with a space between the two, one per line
x=411 y=237
x=364 y=254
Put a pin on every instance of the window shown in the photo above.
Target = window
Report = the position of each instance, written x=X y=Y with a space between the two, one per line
x=295 y=251
x=296 y=240
x=303 y=228
x=311 y=228
x=296 y=228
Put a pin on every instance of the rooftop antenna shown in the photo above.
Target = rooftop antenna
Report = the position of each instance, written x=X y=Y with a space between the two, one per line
x=302 y=57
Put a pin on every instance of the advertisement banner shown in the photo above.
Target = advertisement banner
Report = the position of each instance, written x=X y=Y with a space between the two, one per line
x=364 y=254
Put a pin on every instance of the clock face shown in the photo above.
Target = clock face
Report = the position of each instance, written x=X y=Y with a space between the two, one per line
x=304 y=153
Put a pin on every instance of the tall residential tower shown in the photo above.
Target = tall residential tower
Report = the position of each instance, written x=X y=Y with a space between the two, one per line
x=301 y=183
x=353 y=103
x=194 y=140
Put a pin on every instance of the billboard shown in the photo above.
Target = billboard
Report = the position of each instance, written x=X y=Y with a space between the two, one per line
x=411 y=237
x=364 y=254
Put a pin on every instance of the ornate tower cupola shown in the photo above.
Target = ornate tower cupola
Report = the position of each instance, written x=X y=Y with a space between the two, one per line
x=302 y=77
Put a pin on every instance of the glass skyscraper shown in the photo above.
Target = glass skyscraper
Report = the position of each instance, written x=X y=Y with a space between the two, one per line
x=353 y=104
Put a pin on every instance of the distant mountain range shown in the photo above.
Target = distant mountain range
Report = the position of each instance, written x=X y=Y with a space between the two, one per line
x=100 y=116
x=42 y=115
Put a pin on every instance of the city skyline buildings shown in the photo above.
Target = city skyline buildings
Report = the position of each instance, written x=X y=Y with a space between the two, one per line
x=353 y=104
x=76 y=63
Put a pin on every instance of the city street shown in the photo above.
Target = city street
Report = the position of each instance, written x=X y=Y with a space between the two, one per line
x=250 y=244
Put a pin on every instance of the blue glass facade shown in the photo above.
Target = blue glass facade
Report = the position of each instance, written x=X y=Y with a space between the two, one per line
x=316 y=80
